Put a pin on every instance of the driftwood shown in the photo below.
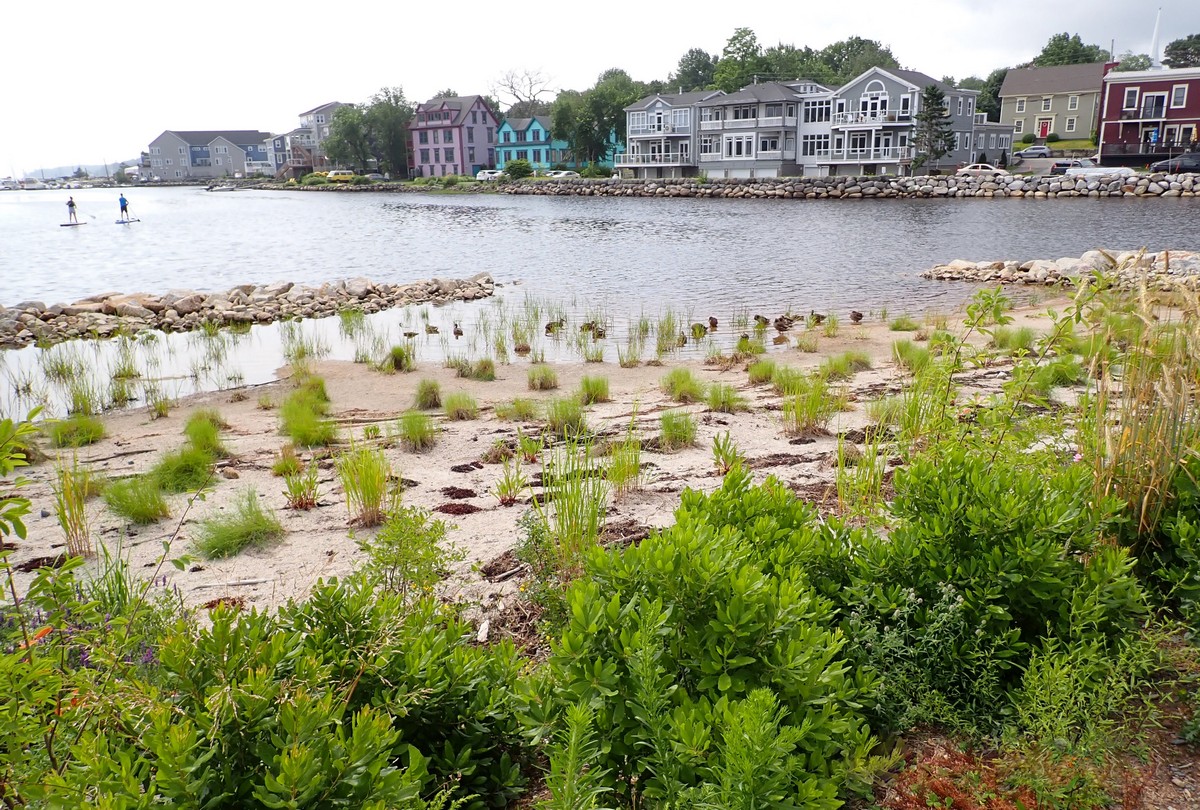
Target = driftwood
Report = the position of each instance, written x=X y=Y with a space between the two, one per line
x=237 y=583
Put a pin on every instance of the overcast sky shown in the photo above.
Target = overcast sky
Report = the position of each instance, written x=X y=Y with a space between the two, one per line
x=84 y=82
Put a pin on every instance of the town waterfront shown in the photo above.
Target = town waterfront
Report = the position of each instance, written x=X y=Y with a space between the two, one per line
x=628 y=254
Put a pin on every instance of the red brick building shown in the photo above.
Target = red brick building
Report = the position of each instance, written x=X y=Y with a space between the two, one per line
x=1149 y=115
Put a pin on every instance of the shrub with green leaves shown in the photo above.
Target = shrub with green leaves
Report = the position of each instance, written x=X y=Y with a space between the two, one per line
x=247 y=524
x=408 y=555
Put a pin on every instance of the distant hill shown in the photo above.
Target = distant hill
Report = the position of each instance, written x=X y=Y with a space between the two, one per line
x=93 y=169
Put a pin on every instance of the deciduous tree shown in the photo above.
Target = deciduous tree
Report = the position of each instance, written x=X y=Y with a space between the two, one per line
x=694 y=71
x=1132 y=61
x=388 y=117
x=527 y=92
x=740 y=62
x=933 y=136
x=1183 y=52
x=348 y=143
x=1068 y=49
x=848 y=58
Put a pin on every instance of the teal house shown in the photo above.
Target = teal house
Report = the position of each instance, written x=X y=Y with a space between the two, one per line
x=529 y=139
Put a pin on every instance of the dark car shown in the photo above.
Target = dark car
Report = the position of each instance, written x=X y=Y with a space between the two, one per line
x=1177 y=165
x=1061 y=166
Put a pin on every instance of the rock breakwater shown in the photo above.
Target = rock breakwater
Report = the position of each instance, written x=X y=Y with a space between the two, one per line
x=184 y=310
x=1165 y=271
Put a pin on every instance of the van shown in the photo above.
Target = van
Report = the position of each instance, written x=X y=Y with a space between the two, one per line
x=339 y=176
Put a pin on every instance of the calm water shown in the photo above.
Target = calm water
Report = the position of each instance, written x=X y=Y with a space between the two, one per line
x=585 y=258
x=640 y=253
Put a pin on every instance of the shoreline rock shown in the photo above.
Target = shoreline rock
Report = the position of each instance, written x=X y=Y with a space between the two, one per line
x=102 y=315
x=1165 y=271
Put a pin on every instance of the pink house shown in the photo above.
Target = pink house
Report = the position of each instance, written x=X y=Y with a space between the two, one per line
x=452 y=136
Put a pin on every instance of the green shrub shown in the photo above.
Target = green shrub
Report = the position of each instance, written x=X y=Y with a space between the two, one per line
x=313 y=180
x=678 y=430
x=724 y=398
x=517 y=169
x=408 y=555
x=460 y=406
x=1028 y=137
x=593 y=390
x=429 y=395
x=138 y=499
x=1053 y=137
x=247 y=524
x=76 y=431
x=542 y=378
x=682 y=386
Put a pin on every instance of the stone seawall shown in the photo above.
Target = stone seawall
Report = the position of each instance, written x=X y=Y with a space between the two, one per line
x=184 y=310
x=821 y=188
x=1166 y=271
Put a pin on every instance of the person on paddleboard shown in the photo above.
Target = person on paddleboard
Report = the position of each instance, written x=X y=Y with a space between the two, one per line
x=71 y=210
x=124 y=207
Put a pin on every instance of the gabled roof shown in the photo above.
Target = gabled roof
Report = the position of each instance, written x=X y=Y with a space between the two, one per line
x=674 y=99
x=322 y=107
x=923 y=80
x=522 y=124
x=766 y=91
x=460 y=104
x=1039 y=81
x=203 y=137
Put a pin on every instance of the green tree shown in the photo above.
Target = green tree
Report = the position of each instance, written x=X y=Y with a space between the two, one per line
x=1132 y=61
x=1183 y=52
x=1068 y=49
x=446 y=94
x=388 y=117
x=80 y=173
x=518 y=169
x=593 y=121
x=348 y=142
x=694 y=71
x=989 y=93
x=786 y=62
x=740 y=62
x=848 y=58
x=120 y=176
x=933 y=136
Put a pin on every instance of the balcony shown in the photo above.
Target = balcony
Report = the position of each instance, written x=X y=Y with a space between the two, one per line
x=843 y=119
x=1150 y=112
x=654 y=159
x=776 y=154
x=872 y=155
x=1147 y=149
x=661 y=129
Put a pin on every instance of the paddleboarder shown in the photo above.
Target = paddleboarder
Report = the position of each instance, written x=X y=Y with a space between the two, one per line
x=71 y=210
x=124 y=206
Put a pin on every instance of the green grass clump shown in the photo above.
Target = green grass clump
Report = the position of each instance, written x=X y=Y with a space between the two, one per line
x=904 y=324
x=204 y=434
x=1012 y=341
x=519 y=410
x=542 y=378
x=460 y=407
x=184 y=470
x=399 y=358
x=139 y=500
x=483 y=370
x=748 y=345
x=366 y=478
x=682 y=386
x=286 y=463
x=725 y=399
x=301 y=415
x=910 y=356
x=593 y=390
x=77 y=431
x=312 y=390
x=564 y=416
x=809 y=407
x=886 y=411
x=761 y=372
x=678 y=430
x=249 y=524
x=429 y=395
x=788 y=380
x=843 y=366
x=807 y=342
x=417 y=431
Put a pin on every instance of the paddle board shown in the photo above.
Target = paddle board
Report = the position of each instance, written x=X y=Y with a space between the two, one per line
x=126 y=221
x=70 y=224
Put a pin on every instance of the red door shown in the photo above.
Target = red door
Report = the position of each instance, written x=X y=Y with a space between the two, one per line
x=1043 y=129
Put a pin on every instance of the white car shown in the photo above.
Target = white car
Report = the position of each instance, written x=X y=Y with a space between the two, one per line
x=561 y=173
x=981 y=170
x=489 y=174
x=1092 y=170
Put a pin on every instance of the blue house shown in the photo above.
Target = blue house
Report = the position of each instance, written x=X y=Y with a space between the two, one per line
x=529 y=139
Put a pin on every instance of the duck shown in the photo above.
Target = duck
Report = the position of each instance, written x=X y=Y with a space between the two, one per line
x=855 y=316
x=554 y=326
x=599 y=333
x=458 y=332
x=784 y=323
x=761 y=320
x=430 y=329
x=699 y=330
x=410 y=335
x=712 y=323
x=682 y=340
x=778 y=339
x=815 y=317
x=589 y=326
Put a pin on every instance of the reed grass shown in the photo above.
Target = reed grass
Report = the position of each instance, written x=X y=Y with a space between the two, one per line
x=761 y=372
x=845 y=365
x=724 y=398
x=904 y=324
x=72 y=486
x=286 y=462
x=682 y=386
x=574 y=517
x=184 y=470
x=909 y=356
x=460 y=407
x=366 y=478
x=809 y=406
x=511 y=484
x=248 y=525
x=417 y=431
x=300 y=488
x=77 y=431
x=400 y=358
x=678 y=430
x=726 y=454
x=564 y=417
x=593 y=390
x=807 y=342
x=203 y=431
x=624 y=470
x=542 y=378
x=138 y=499
x=429 y=395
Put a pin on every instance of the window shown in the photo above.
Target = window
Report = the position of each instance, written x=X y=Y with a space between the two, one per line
x=522 y=154
x=506 y=137
x=774 y=111
x=490 y=135
x=1131 y=97
x=960 y=105
x=154 y=150
x=992 y=141
x=744 y=112
x=637 y=121
x=816 y=111
x=437 y=155
x=980 y=140
x=168 y=162
x=1004 y=142
x=768 y=143
x=536 y=135
x=739 y=146
x=218 y=161
x=681 y=118
x=791 y=111
x=708 y=145
x=957 y=142
x=1018 y=126
x=905 y=104
x=474 y=120
x=1178 y=95
x=970 y=106
x=449 y=153
x=470 y=135
x=423 y=136
x=1071 y=124
x=1020 y=105
x=437 y=135
x=320 y=119
x=841 y=105
x=711 y=114
x=1072 y=102
x=537 y=155
x=182 y=151
x=520 y=137
x=1046 y=102
x=812 y=145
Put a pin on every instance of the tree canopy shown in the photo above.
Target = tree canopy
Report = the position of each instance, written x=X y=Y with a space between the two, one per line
x=1068 y=49
x=1183 y=52
x=378 y=129
x=593 y=121
x=694 y=71
x=741 y=61
x=348 y=144
x=1132 y=61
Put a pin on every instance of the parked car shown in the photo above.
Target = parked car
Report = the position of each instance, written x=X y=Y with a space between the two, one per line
x=1095 y=170
x=1038 y=151
x=1061 y=166
x=981 y=170
x=562 y=173
x=339 y=176
x=488 y=174
x=1176 y=165
x=374 y=176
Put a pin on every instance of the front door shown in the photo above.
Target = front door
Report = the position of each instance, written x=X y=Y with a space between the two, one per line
x=1043 y=128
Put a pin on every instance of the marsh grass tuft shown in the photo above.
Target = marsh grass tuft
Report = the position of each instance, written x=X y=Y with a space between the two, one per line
x=809 y=405
x=511 y=484
x=678 y=430
x=624 y=469
x=417 y=431
x=904 y=324
x=138 y=499
x=845 y=365
x=564 y=417
x=72 y=486
x=366 y=478
x=76 y=431
x=518 y=410
x=807 y=342
x=542 y=378
x=460 y=407
x=910 y=356
x=400 y=358
x=724 y=398
x=593 y=390
x=682 y=386
x=286 y=462
x=429 y=395
x=301 y=489
x=184 y=470
x=249 y=524
x=203 y=431
x=761 y=372
x=726 y=454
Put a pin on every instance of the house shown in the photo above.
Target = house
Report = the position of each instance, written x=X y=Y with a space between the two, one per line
x=1062 y=99
x=867 y=126
x=1149 y=115
x=992 y=141
x=452 y=136
x=301 y=148
x=177 y=154
x=529 y=139
x=753 y=131
x=661 y=135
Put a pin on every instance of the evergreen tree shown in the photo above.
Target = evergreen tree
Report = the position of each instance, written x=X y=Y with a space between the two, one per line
x=933 y=137
x=1183 y=52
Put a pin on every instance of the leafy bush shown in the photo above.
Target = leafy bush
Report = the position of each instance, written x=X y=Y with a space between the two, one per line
x=313 y=180
x=406 y=556
x=1053 y=137
x=1028 y=137
x=248 y=524
x=518 y=169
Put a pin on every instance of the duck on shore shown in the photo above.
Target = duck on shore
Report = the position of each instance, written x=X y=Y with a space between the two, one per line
x=855 y=316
